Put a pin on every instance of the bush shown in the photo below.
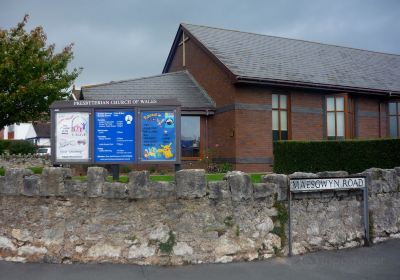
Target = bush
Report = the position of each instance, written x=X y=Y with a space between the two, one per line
x=21 y=147
x=4 y=145
x=350 y=155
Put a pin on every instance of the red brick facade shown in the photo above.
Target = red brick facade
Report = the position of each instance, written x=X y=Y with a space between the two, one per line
x=240 y=131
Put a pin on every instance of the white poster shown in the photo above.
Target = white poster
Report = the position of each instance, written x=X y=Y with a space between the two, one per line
x=72 y=136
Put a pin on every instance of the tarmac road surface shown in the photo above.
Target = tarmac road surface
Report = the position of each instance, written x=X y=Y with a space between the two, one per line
x=381 y=261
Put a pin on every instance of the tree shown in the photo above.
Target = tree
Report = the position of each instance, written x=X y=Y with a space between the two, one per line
x=32 y=75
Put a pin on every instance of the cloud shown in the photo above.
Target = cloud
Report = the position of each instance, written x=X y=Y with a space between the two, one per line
x=122 y=39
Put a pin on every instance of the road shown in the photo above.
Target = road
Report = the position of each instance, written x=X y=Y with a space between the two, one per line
x=380 y=261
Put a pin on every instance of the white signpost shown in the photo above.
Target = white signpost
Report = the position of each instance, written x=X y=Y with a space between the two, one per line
x=298 y=185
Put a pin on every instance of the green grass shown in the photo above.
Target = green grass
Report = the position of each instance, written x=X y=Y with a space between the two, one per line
x=255 y=178
x=166 y=178
x=122 y=179
x=2 y=171
x=36 y=170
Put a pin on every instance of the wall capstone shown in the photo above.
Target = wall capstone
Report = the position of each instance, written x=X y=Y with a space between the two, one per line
x=190 y=183
x=138 y=186
x=240 y=185
x=281 y=182
x=96 y=177
x=53 y=179
x=218 y=190
x=14 y=180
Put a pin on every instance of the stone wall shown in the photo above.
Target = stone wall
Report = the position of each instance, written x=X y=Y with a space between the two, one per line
x=24 y=161
x=53 y=218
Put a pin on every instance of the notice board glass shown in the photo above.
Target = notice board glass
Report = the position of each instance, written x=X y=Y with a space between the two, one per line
x=158 y=136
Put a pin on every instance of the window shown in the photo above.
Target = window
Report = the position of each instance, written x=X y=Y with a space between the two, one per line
x=190 y=136
x=280 y=117
x=394 y=115
x=335 y=117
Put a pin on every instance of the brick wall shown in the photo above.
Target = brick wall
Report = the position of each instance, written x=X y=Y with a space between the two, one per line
x=244 y=135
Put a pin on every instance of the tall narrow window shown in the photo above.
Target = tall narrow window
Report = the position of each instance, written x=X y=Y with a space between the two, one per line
x=335 y=117
x=280 y=117
x=190 y=136
x=394 y=116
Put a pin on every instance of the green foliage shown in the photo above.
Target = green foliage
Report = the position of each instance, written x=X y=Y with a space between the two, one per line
x=32 y=75
x=350 y=155
x=125 y=169
x=167 y=246
x=21 y=147
x=229 y=222
x=36 y=169
x=166 y=178
x=282 y=217
x=132 y=238
x=122 y=179
x=237 y=231
x=4 y=145
x=371 y=225
x=2 y=171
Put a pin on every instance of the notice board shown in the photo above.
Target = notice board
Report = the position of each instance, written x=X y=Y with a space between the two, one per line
x=115 y=131
x=114 y=139
x=158 y=132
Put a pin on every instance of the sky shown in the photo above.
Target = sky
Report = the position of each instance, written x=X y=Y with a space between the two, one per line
x=123 y=39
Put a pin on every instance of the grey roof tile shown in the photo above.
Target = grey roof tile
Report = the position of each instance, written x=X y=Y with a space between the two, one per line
x=176 y=85
x=267 y=57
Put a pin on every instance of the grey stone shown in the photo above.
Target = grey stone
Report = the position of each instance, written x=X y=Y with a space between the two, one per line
x=391 y=178
x=96 y=178
x=142 y=251
x=183 y=249
x=161 y=189
x=190 y=183
x=2 y=185
x=262 y=190
x=114 y=190
x=240 y=185
x=75 y=188
x=13 y=183
x=31 y=185
x=102 y=250
x=281 y=180
x=52 y=183
x=138 y=186
x=332 y=174
x=218 y=190
x=302 y=175
x=6 y=244
x=265 y=226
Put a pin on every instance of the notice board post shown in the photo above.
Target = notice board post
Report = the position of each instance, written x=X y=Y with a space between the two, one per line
x=115 y=132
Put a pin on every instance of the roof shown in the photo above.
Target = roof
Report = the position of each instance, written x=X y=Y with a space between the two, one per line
x=42 y=130
x=177 y=85
x=268 y=58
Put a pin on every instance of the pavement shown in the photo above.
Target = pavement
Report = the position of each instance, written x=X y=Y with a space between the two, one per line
x=380 y=261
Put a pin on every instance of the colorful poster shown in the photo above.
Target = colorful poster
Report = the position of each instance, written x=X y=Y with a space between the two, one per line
x=114 y=136
x=158 y=132
x=72 y=136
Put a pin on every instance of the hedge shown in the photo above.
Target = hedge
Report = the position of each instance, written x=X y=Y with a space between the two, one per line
x=350 y=155
x=17 y=147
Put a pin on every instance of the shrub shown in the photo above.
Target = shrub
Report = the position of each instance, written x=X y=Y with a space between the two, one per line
x=2 y=171
x=350 y=155
x=21 y=147
x=4 y=145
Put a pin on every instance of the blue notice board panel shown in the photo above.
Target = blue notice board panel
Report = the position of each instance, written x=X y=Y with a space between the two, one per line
x=158 y=136
x=114 y=136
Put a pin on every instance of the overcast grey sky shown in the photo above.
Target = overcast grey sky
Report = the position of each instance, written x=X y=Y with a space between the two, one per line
x=117 y=40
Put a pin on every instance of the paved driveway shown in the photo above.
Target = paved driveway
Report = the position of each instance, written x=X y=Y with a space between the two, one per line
x=381 y=261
